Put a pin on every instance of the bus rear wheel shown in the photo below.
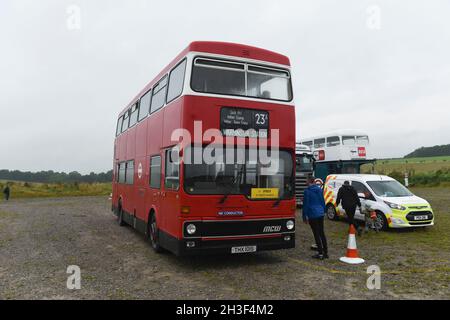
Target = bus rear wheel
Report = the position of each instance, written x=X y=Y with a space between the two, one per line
x=120 y=220
x=331 y=212
x=153 y=233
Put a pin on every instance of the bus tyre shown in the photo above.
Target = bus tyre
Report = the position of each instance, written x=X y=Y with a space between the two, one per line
x=331 y=212
x=381 y=222
x=120 y=220
x=153 y=234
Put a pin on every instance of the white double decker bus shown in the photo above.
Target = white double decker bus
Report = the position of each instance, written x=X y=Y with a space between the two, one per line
x=340 y=151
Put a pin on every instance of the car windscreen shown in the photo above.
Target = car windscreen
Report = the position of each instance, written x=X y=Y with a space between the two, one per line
x=389 y=188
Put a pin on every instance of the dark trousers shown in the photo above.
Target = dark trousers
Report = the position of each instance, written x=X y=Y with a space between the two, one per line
x=319 y=235
x=351 y=216
x=6 y=196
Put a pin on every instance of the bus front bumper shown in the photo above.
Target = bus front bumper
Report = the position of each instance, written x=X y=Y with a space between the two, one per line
x=225 y=246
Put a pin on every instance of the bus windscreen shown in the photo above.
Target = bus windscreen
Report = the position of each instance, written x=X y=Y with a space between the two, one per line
x=237 y=177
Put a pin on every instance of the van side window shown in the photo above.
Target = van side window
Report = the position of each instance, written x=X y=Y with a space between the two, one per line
x=155 y=172
x=176 y=81
x=129 y=175
x=361 y=188
x=172 y=173
x=144 y=105
x=159 y=95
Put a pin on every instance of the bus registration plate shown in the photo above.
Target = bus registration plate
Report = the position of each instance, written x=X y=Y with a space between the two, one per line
x=243 y=249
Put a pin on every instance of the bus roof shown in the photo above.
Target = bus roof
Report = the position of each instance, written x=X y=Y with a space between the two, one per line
x=342 y=132
x=216 y=47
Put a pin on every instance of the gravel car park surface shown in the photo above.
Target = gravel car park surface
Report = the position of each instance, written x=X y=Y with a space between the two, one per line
x=40 y=238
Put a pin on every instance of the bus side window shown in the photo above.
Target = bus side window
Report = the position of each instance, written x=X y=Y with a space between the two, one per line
x=129 y=175
x=119 y=126
x=126 y=121
x=122 y=172
x=176 y=81
x=159 y=95
x=134 y=114
x=144 y=105
x=155 y=172
x=172 y=172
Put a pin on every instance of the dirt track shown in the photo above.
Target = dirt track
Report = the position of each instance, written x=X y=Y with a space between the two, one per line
x=39 y=238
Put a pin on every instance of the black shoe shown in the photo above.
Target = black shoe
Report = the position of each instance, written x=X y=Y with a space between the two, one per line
x=318 y=256
x=314 y=247
x=359 y=231
x=325 y=256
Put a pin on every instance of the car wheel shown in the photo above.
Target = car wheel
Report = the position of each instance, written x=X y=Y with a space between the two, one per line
x=381 y=221
x=153 y=233
x=331 y=212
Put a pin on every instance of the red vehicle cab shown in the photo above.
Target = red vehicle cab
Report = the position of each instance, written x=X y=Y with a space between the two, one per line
x=210 y=190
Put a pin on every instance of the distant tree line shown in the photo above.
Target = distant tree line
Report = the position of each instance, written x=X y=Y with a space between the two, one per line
x=436 y=151
x=55 y=177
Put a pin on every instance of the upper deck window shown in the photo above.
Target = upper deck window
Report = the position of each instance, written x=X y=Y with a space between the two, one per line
x=240 y=79
x=159 y=95
x=348 y=140
x=319 y=143
x=362 y=140
x=333 y=141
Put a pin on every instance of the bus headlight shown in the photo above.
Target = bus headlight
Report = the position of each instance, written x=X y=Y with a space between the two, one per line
x=191 y=229
x=290 y=224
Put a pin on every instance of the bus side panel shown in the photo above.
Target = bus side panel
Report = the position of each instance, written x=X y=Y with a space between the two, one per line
x=170 y=203
x=122 y=149
x=140 y=184
x=154 y=138
x=128 y=189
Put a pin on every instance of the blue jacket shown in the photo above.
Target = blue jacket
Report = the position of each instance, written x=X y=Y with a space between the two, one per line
x=313 y=203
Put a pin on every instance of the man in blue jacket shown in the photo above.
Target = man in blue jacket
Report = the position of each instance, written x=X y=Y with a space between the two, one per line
x=314 y=213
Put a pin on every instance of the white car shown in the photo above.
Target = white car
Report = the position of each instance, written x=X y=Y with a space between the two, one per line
x=394 y=204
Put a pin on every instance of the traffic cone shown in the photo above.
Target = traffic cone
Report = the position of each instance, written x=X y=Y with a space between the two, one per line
x=352 y=252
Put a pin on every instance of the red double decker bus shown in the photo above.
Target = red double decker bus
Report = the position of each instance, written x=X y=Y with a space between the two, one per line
x=204 y=155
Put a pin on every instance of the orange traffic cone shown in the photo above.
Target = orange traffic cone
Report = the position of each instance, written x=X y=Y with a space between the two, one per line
x=352 y=252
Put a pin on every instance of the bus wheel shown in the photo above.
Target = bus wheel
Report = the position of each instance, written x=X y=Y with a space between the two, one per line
x=331 y=212
x=120 y=220
x=381 y=222
x=153 y=233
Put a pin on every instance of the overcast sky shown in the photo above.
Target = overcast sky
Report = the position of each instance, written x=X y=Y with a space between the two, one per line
x=380 y=66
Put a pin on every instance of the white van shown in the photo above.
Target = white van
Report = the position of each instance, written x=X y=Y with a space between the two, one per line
x=395 y=205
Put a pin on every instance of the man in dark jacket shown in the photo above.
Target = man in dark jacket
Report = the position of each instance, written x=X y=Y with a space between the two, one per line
x=350 y=200
x=313 y=213
x=6 y=192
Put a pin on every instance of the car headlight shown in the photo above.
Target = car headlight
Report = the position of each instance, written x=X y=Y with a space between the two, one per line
x=395 y=206
x=290 y=224
x=191 y=229
x=397 y=221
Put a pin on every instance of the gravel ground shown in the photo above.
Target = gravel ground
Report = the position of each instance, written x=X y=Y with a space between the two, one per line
x=40 y=238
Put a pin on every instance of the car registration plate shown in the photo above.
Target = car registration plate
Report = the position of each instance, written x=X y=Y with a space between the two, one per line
x=421 y=218
x=243 y=249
